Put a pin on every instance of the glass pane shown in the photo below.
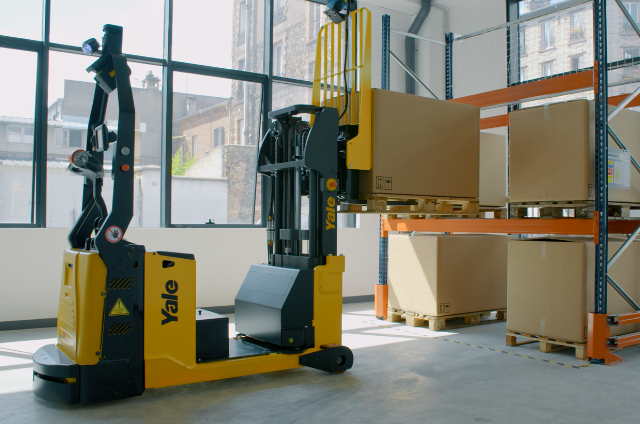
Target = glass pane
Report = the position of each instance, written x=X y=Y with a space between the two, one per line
x=296 y=24
x=29 y=23
x=17 y=110
x=71 y=91
x=74 y=21
x=216 y=131
x=284 y=95
x=225 y=34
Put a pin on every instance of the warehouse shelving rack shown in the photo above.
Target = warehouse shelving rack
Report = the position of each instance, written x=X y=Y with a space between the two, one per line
x=600 y=342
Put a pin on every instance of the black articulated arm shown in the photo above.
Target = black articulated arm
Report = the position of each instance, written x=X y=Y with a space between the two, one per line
x=110 y=237
x=111 y=73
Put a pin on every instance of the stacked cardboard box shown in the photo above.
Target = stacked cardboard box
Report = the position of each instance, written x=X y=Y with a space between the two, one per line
x=552 y=152
x=551 y=286
x=422 y=147
x=441 y=275
x=493 y=170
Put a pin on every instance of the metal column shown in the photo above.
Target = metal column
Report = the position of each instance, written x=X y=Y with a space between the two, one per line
x=601 y=118
x=598 y=330
x=449 y=66
x=385 y=83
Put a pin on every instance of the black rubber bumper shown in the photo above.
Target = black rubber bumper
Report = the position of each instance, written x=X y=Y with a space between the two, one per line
x=334 y=359
x=55 y=376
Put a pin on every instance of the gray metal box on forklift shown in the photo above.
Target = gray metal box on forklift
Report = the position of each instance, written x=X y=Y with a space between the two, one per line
x=275 y=305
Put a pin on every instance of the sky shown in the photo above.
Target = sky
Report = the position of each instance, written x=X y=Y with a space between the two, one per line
x=202 y=35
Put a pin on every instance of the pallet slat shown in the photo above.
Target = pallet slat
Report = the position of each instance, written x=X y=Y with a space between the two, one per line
x=547 y=344
x=439 y=323
x=581 y=209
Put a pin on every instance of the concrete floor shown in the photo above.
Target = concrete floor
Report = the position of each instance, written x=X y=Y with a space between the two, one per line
x=400 y=374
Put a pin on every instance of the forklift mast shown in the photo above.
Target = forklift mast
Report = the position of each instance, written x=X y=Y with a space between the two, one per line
x=300 y=160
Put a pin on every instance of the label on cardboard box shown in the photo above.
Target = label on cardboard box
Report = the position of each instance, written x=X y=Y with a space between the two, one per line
x=618 y=168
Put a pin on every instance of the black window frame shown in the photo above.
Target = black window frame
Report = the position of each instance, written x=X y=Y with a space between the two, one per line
x=43 y=47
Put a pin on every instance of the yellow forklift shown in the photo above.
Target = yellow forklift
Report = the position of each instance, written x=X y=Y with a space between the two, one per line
x=127 y=317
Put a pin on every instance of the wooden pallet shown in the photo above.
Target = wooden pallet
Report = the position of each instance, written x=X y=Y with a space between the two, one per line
x=495 y=212
x=570 y=209
x=414 y=207
x=547 y=344
x=439 y=323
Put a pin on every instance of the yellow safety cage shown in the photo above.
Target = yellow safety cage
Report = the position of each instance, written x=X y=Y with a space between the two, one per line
x=329 y=75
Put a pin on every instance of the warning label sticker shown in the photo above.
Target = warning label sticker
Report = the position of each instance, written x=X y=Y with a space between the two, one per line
x=113 y=234
x=118 y=309
x=618 y=168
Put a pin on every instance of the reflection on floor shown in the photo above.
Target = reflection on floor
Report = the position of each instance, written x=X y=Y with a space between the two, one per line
x=400 y=374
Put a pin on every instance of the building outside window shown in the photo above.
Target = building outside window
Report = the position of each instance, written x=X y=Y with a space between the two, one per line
x=278 y=11
x=577 y=62
x=522 y=41
x=242 y=22
x=547 y=35
x=311 y=70
x=240 y=130
x=277 y=60
x=523 y=74
x=577 y=27
x=20 y=134
x=547 y=69
x=218 y=137
x=194 y=143
x=317 y=19
x=633 y=71
x=632 y=8
x=68 y=138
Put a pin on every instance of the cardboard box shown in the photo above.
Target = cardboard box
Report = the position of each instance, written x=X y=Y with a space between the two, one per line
x=552 y=152
x=551 y=286
x=441 y=275
x=493 y=170
x=422 y=147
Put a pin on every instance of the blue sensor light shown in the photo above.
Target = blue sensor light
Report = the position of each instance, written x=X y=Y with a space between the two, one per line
x=90 y=46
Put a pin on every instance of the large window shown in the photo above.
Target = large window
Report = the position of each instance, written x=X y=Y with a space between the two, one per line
x=225 y=34
x=29 y=23
x=70 y=95
x=212 y=178
x=294 y=34
x=17 y=111
x=73 y=21
x=206 y=130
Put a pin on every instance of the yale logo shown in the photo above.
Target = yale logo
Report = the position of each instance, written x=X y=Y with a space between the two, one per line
x=332 y=184
x=170 y=309
x=331 y=213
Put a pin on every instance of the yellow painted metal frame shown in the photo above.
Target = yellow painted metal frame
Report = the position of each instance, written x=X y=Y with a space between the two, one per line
x=81 y=306
x=328 y=80
x=164 y=369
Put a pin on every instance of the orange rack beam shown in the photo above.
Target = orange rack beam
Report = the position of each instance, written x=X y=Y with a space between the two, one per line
x=522 y=92
x=503 y=120
x=569 y=226
x=494 y=122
